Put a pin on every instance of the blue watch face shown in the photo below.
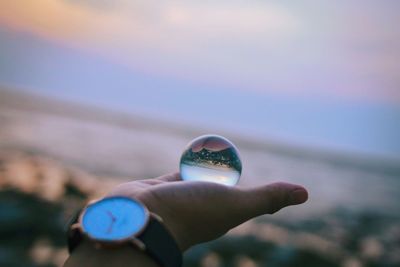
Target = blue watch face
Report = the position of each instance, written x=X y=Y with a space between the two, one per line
x=114 y=218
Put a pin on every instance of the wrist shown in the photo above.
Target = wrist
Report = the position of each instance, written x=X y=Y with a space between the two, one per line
x=87 y=255
x=174 y=226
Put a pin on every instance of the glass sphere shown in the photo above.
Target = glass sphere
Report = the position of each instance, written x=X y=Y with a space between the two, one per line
x=211 y=158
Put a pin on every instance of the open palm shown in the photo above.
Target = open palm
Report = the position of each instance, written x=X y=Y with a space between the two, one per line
x=196 y=212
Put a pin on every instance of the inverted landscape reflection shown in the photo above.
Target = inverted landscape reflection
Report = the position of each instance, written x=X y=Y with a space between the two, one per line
x=211 y=158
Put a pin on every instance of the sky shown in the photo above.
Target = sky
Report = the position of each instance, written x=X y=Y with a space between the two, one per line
x=319 y=73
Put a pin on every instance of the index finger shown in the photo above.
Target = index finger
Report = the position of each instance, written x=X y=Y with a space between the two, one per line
x=172 y=177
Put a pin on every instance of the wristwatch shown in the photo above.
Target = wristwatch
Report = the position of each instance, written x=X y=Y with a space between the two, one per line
x=117 y=221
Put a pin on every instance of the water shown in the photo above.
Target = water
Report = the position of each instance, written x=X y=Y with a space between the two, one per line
x=211 y=158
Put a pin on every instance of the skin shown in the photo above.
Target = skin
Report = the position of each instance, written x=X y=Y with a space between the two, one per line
x=194 y=212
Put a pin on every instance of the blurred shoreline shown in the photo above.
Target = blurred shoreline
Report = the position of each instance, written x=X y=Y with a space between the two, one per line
x=109 y=143
x=30 y=102
x=55 y=155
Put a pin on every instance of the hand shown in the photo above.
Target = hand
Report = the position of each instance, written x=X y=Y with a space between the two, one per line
x=197 y=212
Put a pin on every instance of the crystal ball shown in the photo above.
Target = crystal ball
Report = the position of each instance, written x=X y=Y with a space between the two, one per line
x=211 y=158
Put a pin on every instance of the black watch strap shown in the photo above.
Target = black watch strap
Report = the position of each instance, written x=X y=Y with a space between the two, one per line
x=161 y=245
x=74 y=237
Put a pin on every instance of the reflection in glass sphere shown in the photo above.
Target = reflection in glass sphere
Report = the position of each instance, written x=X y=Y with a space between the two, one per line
x=211 y=158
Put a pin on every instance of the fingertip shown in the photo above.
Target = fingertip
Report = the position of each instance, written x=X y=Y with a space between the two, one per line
x=298 y=196
x=176 y=176
x=172 y=177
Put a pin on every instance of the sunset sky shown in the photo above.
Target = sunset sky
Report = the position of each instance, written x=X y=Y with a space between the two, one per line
x=323 y=73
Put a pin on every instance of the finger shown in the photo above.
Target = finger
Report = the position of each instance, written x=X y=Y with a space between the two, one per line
x=271 y=198
x=172 y=177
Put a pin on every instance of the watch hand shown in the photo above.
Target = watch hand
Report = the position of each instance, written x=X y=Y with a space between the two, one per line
x=110 y=228
x=111 y=215
x=113 y=219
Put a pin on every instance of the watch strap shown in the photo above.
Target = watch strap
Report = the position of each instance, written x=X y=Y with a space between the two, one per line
x=74 y=237
x=160 y=244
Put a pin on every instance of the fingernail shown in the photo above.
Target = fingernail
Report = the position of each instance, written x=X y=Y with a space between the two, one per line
x=298 y=196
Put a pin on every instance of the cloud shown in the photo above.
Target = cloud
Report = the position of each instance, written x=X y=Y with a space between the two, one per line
x=98 y=4
x=234 y=18
x=310 y=47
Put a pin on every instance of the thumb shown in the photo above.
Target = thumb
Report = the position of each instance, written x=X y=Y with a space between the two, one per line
x=269 y=199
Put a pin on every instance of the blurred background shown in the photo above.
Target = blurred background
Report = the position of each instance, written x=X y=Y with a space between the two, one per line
x=97 y=92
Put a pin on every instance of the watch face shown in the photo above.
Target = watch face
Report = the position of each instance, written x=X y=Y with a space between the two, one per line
x=114 y=218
